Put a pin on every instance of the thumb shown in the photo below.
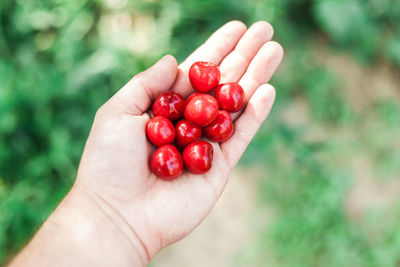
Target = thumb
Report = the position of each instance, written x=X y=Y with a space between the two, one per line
x=138 y=94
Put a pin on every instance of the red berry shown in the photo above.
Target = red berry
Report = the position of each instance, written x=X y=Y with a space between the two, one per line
x=166 y=162
x=186 y=133
x=160 y=131
x=198 y=156
x=230 y=96
x=221 y=129
x=193 y=95
x=170 y=105
x=204 y=76
x=201 y=109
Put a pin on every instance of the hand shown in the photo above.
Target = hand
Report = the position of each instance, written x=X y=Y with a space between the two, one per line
x=114 y=171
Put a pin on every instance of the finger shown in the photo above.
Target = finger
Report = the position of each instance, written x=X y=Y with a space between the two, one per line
x=261 y=68
x=235 y=64
x=213 y=50
x=138 y=94
x=248 y=123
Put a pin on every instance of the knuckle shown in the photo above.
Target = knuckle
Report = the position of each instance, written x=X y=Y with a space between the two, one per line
x=101 y=110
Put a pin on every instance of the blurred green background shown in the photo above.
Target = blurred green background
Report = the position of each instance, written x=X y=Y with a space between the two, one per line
x=330 y=149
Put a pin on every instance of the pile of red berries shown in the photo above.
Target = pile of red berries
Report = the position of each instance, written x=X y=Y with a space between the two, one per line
x=200 y=115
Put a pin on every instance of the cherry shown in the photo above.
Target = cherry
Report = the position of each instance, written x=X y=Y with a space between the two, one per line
x=170 y=105
x=201 y=109
x=166 y=162
x=186 y=133
x=204 y=76
x=221 y=129
x=160 y=131
x=198 y=156
x=193 y=95
x=230 y=96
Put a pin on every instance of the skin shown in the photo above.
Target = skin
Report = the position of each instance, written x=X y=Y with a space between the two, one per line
x=160 y=131
x=169 y=105
x=230 y=96
x=221 y=128
x=120 y=214
x=198 y=156
x=204 y=76
x=201 y=109
x=186 y=132
x=166 y=162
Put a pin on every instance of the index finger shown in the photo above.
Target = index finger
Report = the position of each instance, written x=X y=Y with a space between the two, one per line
x=218 y=45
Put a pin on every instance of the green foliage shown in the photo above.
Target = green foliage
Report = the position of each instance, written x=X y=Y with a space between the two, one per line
x=60 y=60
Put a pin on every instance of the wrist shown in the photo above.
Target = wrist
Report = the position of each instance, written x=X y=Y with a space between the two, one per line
x=106 y=226
x=83 y=232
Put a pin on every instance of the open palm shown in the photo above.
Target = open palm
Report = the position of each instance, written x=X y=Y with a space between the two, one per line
x=114 y=169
